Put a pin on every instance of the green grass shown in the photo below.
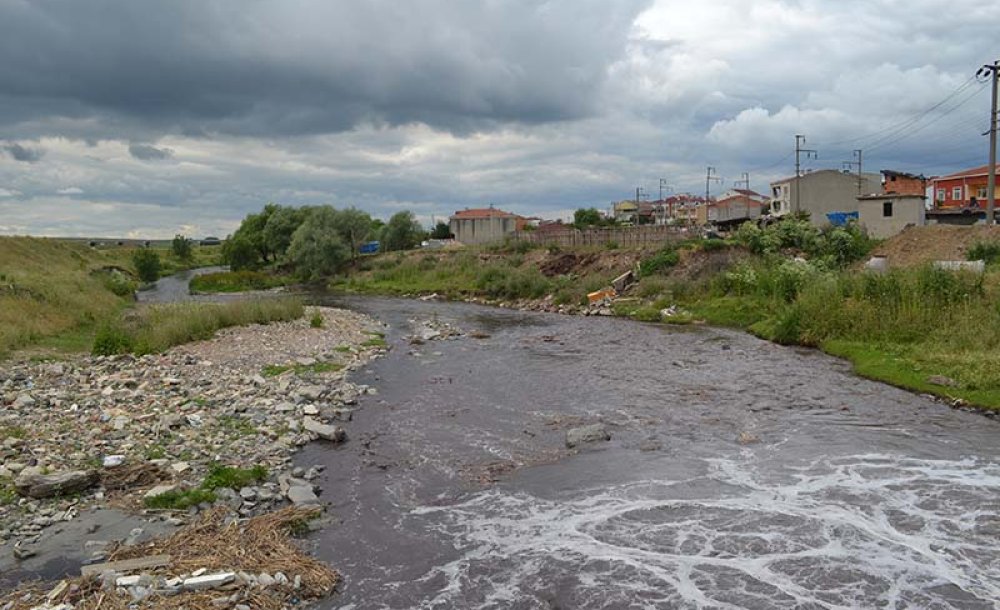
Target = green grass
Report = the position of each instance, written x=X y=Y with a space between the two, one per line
x=12 y=432
x=180 y=499
x=157 y=328
x=236 y=281
x=8 y=495
x=273 y=370
x=375 y=342
x=237 y=425
x=218 y=477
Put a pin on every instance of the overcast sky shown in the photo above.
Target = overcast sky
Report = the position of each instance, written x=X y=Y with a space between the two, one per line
x=135 y=118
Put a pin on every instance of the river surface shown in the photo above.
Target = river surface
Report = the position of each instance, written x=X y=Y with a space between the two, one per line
x=175 y=288
x=455 y=489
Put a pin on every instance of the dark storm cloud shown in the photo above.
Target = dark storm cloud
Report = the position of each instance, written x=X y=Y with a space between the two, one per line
x=276 y=68
x=146 y=152
x=23 y=153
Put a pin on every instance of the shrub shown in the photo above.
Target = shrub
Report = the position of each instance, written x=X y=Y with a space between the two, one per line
x=181 y=247
x=110 y=340
x=316 y=321
x=147 y=264
x=663 y=260
x=988 y=251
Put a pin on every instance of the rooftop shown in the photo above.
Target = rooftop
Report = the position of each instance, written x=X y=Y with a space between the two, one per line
x=483 y=213
x=982 y=170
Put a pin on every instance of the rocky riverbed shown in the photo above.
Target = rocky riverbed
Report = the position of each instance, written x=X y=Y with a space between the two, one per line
x=89 y=445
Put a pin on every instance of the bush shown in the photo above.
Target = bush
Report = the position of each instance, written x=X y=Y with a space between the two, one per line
x=316 y=321
x=988 y=251
x=147 y=264
x=111 y=340
x=664 y=260
x=181 y=247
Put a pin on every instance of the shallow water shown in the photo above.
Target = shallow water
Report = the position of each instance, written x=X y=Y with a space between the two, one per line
x=455 y=489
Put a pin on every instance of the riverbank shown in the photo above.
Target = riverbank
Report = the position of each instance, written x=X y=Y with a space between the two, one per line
x=927 y=330
x=98 y=449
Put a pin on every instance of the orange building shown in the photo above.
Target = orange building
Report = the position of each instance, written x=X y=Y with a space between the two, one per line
x=901 y=183
x=962 y=189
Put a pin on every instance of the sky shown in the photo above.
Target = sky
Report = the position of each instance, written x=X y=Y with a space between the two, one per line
x=132 y=118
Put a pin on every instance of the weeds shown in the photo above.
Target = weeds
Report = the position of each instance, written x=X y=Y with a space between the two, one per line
x=273 y=370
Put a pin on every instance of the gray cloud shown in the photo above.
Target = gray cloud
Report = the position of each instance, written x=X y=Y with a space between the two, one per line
x=23 y=153
x=264 y=68
x=147 y=152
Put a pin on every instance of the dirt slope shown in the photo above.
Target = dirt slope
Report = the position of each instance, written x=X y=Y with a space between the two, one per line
x=919 y=245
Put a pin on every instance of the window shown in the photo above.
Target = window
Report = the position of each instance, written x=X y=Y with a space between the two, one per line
x=940 y=194
x=886 y=209
x=981 y=192
x=956 y=193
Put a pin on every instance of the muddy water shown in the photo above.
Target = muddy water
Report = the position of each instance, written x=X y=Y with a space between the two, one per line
x=174 y=288
x=456 y=490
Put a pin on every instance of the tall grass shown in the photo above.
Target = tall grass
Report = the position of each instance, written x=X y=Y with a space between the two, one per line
x=235 y=281
x=160 y=327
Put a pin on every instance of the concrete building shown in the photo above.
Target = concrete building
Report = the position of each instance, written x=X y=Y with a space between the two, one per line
x=884 y=215
x=484 y=225
x=821 y=192
x=732 y=210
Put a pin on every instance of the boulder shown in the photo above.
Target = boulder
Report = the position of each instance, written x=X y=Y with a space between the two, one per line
x=326 y=432
x=587 y=434
x=49 y=485
x=302 y=495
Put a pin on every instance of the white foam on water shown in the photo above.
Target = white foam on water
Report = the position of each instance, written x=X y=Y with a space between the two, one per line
x=860 y=531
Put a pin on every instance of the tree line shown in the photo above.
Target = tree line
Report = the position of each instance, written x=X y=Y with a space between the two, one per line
x=315 y=241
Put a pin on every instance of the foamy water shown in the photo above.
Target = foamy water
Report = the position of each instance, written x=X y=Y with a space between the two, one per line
x=865 y=531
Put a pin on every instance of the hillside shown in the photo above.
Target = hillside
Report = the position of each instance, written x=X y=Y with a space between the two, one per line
x=49 y=287
x=919 y=245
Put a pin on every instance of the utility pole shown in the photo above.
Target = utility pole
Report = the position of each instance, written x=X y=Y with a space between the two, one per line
x=663 y=184
x=710 y=176
x=799 y=141
x=991 y=186
x=858 y=158
x=745 y=181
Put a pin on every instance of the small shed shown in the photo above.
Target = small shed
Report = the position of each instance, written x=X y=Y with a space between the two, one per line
x=885 y=215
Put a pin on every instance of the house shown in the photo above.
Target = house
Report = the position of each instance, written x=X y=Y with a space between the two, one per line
x=821 y=192
x=902 y=183
x=965 y=189
x=626 y=212
x=484 y=225
x=678 y=209
x=735 y=209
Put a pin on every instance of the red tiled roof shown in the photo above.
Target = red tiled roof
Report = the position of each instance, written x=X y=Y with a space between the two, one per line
x=982 y=170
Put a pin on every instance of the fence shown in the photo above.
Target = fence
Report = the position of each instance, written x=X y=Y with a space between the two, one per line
x=624 y=237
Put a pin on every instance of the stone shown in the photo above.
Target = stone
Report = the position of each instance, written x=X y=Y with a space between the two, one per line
x=587 y=434
x=208 y=581
x=310 y=409
x=24 y=400
x=942 y=381
x=302 y=495
x=326 y=432
x=110 y=461
x=265 y=580
x=127 y=581
x=311 y=392
x=24 y=552
x=49 y=485
x=159 y=490
x=248 y=493
x=180 y=467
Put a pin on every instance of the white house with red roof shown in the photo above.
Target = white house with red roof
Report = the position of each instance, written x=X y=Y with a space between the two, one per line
x=484 y=225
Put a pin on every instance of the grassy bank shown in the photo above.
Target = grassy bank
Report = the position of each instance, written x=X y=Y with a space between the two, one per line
x=55 y=294
x=157 y=328
x=237 y=281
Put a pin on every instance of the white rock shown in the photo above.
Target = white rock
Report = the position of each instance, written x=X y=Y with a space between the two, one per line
x=208 y=581
x=159 y=490
x=180 y=467
x=127 y=581
x=110 y=461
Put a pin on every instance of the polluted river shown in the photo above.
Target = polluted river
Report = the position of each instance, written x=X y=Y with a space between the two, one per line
x=738 y=474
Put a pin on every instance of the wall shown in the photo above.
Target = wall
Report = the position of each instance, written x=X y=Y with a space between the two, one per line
x=970 y=185
x=826 y=191
x=624 y=237
x=903 y=185
x=906 y=210
x=474 y=231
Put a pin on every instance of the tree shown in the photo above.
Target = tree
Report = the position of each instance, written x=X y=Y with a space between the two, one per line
x=402 y=232
x=251 y=231
x=586 y=217
x=239 y=253
x=181 y=247
x=354 y=227
x=441 y=231
x=280 y=226
x=147 y=264
x=317 y=250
